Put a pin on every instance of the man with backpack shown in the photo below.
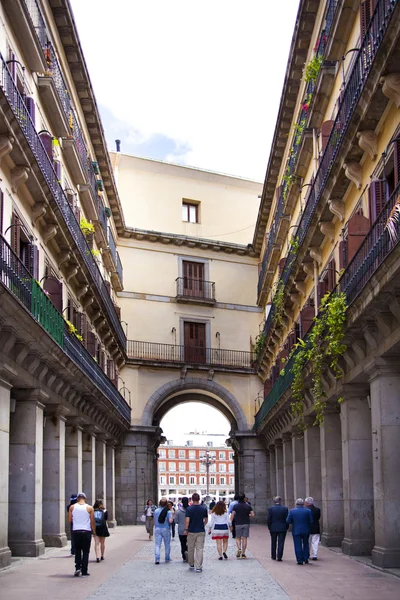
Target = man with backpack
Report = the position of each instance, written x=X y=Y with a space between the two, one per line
x=162 y=521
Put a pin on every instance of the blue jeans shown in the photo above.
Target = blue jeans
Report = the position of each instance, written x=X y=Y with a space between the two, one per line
x=162 y=533
x=301 y=547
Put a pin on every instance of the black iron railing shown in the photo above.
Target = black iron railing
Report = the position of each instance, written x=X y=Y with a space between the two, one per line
x=37 y=21
x=173 y=353
x=112 y=245
x=195 y=288
x=55 y=73
x=355 y=85
x=119 y=268
x=22 y=115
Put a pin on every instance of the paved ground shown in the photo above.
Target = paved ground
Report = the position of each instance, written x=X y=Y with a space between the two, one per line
x=129 y=573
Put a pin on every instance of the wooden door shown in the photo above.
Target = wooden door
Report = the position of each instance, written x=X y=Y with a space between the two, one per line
x=195 y=342
x=193 y=279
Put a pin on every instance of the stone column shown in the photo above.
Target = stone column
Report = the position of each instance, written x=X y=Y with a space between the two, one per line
x=110 y=485
x=332 y=478
x=288 y=470
x=53 y=513
x=89 y=464
x=254 y=473
x=101 y=469
x=312 y=463
x=26 y=474
x=272 y=471
x=358 y=495
x=5 y=387
x=279 y=467
x=299 y=473
x=385 y=419
x=73 y=462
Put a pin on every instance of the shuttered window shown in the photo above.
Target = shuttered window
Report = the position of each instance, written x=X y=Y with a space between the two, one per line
x=307 y=315
x=376 y=198
x=91 y=343
x=195 y=342
x=54 y=287
x=1 y=210
x=326 y=129
x=366 y=11
x=193 y=279
x=396 y=155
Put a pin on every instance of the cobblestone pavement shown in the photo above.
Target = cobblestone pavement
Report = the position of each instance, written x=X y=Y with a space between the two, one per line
x=129 y=573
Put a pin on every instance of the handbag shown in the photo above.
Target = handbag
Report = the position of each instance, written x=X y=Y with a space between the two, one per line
x=143 y=518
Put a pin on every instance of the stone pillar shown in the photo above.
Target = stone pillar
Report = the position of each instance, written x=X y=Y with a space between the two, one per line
x=26 y=474
x=358 y=495
x=89 y=464
x=272 y=471
x=332 y=478
x=385 y=420
x=279 y=467
x=254 y=473
x=288 y=470
x=299 y=473
x=5 y=387
x=312 y=463
x=101 y=480
x=53 y=509
x=110 y=485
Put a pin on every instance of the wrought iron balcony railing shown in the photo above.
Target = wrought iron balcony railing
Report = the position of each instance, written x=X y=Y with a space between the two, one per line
x=373 y=251
x=119 y=268
x=189 y=355
x=196 y=289
x=19 y=281
x=27 y=126
x=112 y=245
x=355 y=85
x=37 y=21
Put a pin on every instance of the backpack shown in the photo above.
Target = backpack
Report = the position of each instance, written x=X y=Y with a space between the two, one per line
x=99 y=517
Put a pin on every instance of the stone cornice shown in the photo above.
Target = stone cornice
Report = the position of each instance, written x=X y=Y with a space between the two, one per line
x=304 y=26
x=188 y=241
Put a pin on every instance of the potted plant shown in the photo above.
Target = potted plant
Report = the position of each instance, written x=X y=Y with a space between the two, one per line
x=87 y=228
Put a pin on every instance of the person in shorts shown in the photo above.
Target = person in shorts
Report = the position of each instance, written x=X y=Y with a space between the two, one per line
x=242 y=512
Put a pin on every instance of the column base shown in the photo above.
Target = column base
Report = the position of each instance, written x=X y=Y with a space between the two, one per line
x=5 y=557
x=357 y=547
x=55 y=540
x=26 y=548
x=112 y=524
x=331 y=539
x=386 y=558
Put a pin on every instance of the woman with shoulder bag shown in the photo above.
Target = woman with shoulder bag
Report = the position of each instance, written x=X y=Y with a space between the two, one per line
x=100 y=516
x=148 y=515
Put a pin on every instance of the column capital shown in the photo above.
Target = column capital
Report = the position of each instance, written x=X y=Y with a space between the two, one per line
x=297 y=432
x=287 y=436
x=34 y=395
x=382 y=366
x=278 y=443
x=77 y=422
x=7 y=374
x=271 y=448
x=57 y=411
x=354 y=390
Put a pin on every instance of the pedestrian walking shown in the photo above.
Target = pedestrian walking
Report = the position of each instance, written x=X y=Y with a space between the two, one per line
x=230 y=509
x=81 y=515
x=149 y=514
x=195 y=521
x=301 y=519
x=162 y=522
x=173 y=511
x=219 y=526
x=212 y=504
x=315 y=531
x=72 y=501
x=276 y=521
x=180 y=516
x=241 y=513
x=100 y=517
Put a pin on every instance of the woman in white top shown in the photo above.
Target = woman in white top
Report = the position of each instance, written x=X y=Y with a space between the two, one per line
x=220 y=526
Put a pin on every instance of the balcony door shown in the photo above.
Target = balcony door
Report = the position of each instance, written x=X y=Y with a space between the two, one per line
x=193 y=279
x=195 y=342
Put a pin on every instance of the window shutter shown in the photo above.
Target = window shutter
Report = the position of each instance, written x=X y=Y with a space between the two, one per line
x=306 y=319
x=343 y=254
x=281 y=267
x=331 y=274
x=396 y=155
x=322 y=290
x=102 y=359
x=376 y=198
x=267 y=386
x=357 y=228
x=91 y=343
x=54 y=288
x=83 y=327
x=70 y=198
x=326 y=129
x=30 y=105
x=366 y=11
x=1 y=210
x=47 y=141
x=28 y=257
x=35 y=262
x=15 y=234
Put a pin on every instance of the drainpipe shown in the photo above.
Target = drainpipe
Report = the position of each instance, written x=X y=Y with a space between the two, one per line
x=116 y=164
x=316 y=287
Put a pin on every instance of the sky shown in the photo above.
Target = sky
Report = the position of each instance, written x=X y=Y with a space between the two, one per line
x=184 y=419
x=192 y=82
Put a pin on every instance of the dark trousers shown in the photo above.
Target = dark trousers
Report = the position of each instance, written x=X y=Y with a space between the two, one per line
x=301 y=547
x=82 y=540
x=233 y=529
x=277 y=538
x=173 y=529
x=72 y=542
x=183 y=541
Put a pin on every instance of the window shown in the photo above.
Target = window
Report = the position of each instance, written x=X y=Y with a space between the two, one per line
x=182 y=466
x=213 y=469
x=213 y=454
x=202 y=480
x=171 y=453
x=192 y=467
x=182 y=480
x=212 y=480
x=194 y=342
x=163 y=479
x=222 y=468
x=192 y=283
x=222 y=480
x=202 y=467
x=161 y=466
x=192 y=480
x=231 y=468
x=162 y=453
x=172 y=479
x=190 y=212
x=222 y=455
x=231 y=481
x=182 y=454
x=230 y=455
x=192 y=453
x=172 y=466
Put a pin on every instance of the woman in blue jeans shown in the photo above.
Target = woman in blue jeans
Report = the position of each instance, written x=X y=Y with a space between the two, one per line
x=162 y=521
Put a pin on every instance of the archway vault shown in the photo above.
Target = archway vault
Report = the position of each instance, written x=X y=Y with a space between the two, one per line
x=193 y=389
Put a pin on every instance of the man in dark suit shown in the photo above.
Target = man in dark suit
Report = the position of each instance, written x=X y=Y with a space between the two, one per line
x=277 y=526
x=301 y=520
x=315 y=531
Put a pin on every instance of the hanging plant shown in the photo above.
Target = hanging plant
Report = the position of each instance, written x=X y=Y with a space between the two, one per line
x=258 y=346
x=87 y=228
x=312 y=68
x=278 y=303
x=322 y=350
x=73 y=330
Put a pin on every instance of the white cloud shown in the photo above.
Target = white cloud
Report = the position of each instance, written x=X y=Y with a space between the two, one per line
x=207 y=74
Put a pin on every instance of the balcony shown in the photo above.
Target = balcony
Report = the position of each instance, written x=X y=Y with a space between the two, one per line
x=14 y=105
x=88 y=193
x=110 y=252
x=18 y=280
x=54 y=93
x=374 y=250
x=172 y=355
x=100 y=222
x=75 y=152
x=26 y=18
x=117 y=276
x=195 y=291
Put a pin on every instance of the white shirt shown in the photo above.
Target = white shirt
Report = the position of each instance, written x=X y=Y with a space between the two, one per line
x=81 y=518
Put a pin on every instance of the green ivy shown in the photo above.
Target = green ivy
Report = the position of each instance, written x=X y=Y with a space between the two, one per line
x=258 y=346
x=86 y=227
x=323 y=349
x=278 y=302
x=312 y=68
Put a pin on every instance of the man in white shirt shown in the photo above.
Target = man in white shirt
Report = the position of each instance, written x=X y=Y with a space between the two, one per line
x=81 y=515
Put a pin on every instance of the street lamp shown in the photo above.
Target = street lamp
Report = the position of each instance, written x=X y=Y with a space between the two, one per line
x=207 y=461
